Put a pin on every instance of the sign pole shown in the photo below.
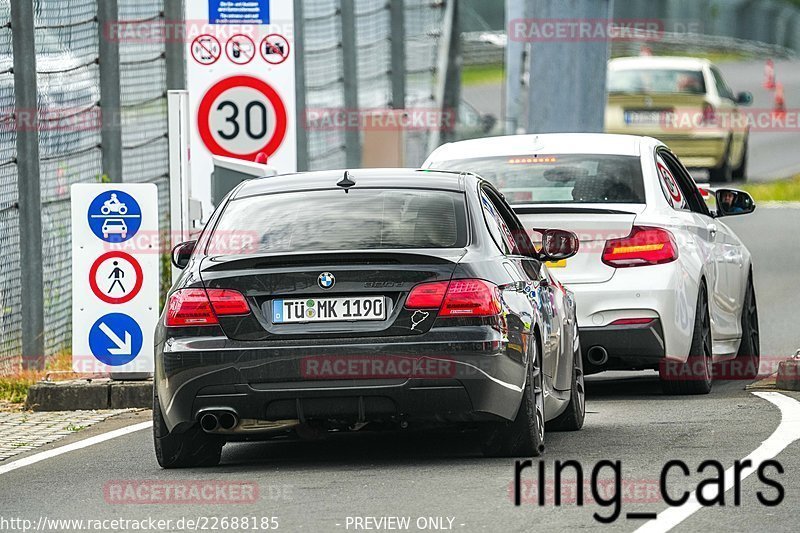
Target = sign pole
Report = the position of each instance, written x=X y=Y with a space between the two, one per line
x=180 y=176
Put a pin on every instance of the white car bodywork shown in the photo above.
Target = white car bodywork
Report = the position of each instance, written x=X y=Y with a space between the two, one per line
x=709 y=251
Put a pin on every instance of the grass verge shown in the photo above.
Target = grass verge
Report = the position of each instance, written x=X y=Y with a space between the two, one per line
x=776 y=191
x=14 y=388
x=482 y=74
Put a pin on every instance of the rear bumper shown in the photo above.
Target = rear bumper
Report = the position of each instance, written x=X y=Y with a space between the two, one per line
x=664 y=293
x=696 y=149
x=448 y=376
x=627 y=346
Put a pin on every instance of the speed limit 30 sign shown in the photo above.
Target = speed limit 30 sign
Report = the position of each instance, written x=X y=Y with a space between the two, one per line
x=241 y=80
x=242 y=116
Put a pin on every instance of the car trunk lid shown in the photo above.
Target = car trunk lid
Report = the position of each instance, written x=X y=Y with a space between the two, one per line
x=269 y=280
x=594 y=224
x=649 y=114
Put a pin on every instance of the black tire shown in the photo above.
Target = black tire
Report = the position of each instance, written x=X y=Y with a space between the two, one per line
x=192 y=448
x=694 y=376
x=724 y=172
x=573 y=416
x=523 y=436
x=749 y=356
x=740 y=172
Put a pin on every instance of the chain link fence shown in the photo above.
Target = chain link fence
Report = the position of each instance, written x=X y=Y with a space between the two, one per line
x=68 y=43
x=143 y=85
x=68 y=81
x=325 y=87
x=10 y=292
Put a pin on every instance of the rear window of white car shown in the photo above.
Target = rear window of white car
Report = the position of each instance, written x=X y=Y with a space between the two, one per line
x=559 y=179
x=649 y=81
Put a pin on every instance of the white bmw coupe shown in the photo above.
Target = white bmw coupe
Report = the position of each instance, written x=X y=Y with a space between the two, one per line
x=660 y=281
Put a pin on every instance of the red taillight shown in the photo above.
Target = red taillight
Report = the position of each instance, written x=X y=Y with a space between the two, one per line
x=644 y=246
x=471 y=297
x=632 y=321
x=198 y=307
x=459 y=297
x=427 y=295
x=227 y=302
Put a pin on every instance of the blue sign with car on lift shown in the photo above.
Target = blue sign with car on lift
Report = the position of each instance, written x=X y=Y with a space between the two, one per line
x=238 y=11
x=115 y=216
x=115 y=339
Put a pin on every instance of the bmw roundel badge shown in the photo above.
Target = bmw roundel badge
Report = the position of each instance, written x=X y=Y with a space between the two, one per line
x=326 y=280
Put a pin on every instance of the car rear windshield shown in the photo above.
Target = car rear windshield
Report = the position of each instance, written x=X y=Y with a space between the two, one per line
x=361 y=219
x=559 y=179
x=666 y=81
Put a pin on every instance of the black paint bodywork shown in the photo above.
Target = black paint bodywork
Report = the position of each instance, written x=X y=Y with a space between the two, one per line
x=256 y=368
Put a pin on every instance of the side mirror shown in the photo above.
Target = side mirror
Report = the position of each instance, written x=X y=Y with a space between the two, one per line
x=558 y=244
x=733 y=202
x=182 y=253
x=744 y=98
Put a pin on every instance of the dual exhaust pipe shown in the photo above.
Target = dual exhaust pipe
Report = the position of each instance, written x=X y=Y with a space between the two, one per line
x=216 y=421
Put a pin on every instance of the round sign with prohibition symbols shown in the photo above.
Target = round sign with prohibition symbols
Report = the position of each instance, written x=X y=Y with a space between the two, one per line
x=240 y=117
x=206 y=49
x=275 y=49
x=116 y=277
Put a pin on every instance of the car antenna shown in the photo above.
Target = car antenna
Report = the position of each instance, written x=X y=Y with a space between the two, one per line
x=346 y=182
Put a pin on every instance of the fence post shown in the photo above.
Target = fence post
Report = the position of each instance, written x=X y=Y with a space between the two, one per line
x=111 y=133
x=515 y=52
x=398 y=36
x=175 y=47
x=300 y=86
x=30 y=200
x=352 y=137
x=567 y=91
x=446 y=90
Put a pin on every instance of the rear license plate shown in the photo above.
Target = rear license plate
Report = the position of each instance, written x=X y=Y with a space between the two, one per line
x=329 y=309
x=647 y=118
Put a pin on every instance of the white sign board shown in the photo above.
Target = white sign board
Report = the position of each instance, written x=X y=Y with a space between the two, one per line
x=115 y=277
x=241 y=80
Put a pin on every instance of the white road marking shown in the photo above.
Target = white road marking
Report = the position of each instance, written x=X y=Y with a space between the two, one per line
x=91 y=441
x=786 y=433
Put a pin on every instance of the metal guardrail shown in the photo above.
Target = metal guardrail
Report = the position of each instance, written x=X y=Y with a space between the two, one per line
x=488 y=47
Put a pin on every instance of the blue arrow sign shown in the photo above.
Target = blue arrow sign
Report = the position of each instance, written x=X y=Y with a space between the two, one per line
x=115 y=216
x=115 y=339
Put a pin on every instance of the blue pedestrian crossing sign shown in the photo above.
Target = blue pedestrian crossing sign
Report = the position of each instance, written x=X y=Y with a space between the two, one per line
x=115 y=339
x=114 y=216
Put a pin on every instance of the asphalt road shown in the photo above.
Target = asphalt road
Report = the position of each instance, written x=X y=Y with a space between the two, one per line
x=773 y=151
x=316 y=486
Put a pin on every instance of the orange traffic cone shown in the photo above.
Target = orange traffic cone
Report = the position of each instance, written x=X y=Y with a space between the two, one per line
x=779 y=109
x=769 y=75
